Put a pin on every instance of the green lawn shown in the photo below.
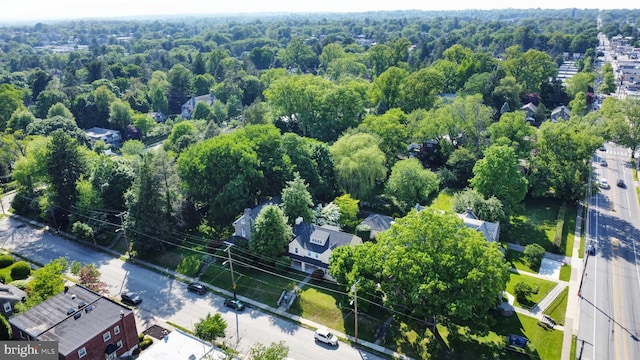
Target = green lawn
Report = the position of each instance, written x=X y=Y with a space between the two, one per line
x=444 y=201
x=538 y=226
x=545 y=343
x=558 y=308
x=544 y=286
x=565 y=273
x=569 y=230
x=335 y=311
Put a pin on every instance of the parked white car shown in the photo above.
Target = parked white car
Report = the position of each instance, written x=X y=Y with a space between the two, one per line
x=323 y=335
x=604 y=183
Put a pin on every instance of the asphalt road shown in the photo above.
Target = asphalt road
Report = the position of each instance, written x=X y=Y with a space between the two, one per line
x=609 y=325
x=167 y=299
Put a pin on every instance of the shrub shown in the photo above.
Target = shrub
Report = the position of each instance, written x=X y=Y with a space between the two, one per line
x=522 y=291
x=533 y=254
x=20 y=284
x=20 y=270
x=5 y=329
x=82 y=230
x=6 y=260
x=189 y=265
x=145 y=343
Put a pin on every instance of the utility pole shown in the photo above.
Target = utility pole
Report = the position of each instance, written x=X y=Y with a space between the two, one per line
x=354 y=288
x=233 y=279
x=124 y=234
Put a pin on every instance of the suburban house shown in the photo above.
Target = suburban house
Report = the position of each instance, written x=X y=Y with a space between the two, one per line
x=312 y=245
x=190 y=105
x=561 y=112
x=158 y=116
x=244 y=224
x=530 y=111
x=111 y=137
x=490 y=230
x=9 y=297
x=377 y=223
x=85 y=324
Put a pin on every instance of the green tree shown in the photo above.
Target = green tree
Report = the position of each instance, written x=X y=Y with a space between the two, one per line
x=514 y=130
x=608 y=79
x=271 y=233
x=144 y=123
x=497 y=174
x=10 y=101
x=421 y=89
x=579 y=105
x=474 y=117
x=65 y=163
x=410 y=182
x=120 y=114
x=146 y=222
x=19 y=120
x=298 y=55
x=275 y=351
x=217 y=172
x=180 y=80
x=211 y=327
x=359 y=164
x=580 y=83
x=348 y=210
x=522 y=290
x=386 y=88
x=296 y=200
x=533 y=254
x=391 y=129
x=485 y=209
x=202 y=111
x=411 y=267
x=46 y=282
x=461 y=163
x=623 y=123
x=46 y=100
x=59 y=109
x=89 y=277
x=508 y=91
x=180 y=131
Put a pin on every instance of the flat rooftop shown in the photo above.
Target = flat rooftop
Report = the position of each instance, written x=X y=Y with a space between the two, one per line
x=178 y=345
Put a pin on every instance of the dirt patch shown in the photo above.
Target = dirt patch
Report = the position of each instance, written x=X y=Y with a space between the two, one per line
x=157 y=332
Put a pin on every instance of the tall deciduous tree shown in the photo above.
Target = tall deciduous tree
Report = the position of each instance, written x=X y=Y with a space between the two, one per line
x=65 y=164
x=348 y=210
x=497 y=174
x=411 y=183
x=392 y=130
x=271 y=233
x=359 y=163
x=514 y=130
x=10 y=101
x=386 y=88
x=180 y=80
x=46 y=282
x=296 y=200
x=428 y=264
x=624 y=123
x=275 y=351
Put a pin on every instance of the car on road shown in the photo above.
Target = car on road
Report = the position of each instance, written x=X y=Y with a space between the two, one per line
x=234 y=303
x=591 y=249
x=603 y=163
x=620 y=183
x=323 y=335
x=131 y=298
x=197 y=288
x=602 y=148
x=604 y=183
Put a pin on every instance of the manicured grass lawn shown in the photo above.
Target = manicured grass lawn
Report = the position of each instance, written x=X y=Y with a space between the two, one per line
x=537 y=226
x=565 y=273
x=517 y=260
x=334 y=311
x=257 y=285
x=544 y=286
x=545 y=343
x=558 y=308
x=444 y=201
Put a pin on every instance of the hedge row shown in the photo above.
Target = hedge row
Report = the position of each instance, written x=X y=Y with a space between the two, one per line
x=557 y=238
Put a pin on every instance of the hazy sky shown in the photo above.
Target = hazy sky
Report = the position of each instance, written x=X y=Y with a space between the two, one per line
x=15 y=10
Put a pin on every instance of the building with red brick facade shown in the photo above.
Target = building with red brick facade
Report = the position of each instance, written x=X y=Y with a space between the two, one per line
x=86 y=325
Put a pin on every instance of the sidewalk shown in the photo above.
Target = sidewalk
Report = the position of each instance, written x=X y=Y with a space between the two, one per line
x=573 y=304
x=265 y=308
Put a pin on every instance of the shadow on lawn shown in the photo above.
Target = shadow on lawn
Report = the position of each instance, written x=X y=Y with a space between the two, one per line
x=465 y=345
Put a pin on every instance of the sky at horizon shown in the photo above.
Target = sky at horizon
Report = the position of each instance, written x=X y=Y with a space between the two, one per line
x=42 y=10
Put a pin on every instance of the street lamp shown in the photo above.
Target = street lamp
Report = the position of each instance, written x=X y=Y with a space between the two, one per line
x=354 y=288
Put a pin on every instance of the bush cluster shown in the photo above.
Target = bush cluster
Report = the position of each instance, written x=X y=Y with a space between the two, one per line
x=20 y=270
x=6 y=260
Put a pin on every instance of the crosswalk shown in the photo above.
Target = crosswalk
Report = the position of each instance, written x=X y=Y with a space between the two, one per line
x=618 y=153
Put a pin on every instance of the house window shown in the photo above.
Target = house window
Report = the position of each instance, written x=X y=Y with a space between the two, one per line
x=308 y=253
x=7 y=307
x=119 y=343
x=82 y=353
x=116 y=330
x=295 y=250
x=243 y=233
x=316 y=256
x=106 y=336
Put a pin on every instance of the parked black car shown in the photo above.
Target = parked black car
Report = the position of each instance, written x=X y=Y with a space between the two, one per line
x=131 y=298
x=197 y=288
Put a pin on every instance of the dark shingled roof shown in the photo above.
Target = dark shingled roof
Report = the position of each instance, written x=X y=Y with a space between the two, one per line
x=332 y=236
x=49 y=321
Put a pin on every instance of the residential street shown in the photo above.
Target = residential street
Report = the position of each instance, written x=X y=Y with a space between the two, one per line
x=165 y=299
